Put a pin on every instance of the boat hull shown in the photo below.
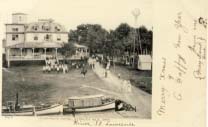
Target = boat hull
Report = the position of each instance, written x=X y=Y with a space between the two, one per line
x=54 y=109
x=30 y=113
x=104 y=107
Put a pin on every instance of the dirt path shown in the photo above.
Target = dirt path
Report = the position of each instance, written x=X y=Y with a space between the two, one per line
x=138 y=98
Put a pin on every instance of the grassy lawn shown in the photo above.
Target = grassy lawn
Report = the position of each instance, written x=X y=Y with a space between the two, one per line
x=141 y=79
x=36 y=87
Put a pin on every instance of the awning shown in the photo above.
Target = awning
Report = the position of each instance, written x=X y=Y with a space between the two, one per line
x=36 y=45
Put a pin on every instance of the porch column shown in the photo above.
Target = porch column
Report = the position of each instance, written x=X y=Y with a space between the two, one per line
x=45 y=52
x=33 y=51
x=56 y=52
x=85 y=51
x=21 y=53
x=8 y=57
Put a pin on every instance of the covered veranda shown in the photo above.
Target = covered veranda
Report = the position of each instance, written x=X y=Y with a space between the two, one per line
x=32 y=51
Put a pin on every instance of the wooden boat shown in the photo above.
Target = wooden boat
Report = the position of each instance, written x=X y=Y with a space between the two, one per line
x=30 y=110
x=52 y=109
x=13 y=108
x=90 y=103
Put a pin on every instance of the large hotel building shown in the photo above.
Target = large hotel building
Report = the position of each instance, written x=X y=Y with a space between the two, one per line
x=35 y=40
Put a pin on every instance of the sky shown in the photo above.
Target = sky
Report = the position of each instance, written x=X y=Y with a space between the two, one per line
x=70 y=13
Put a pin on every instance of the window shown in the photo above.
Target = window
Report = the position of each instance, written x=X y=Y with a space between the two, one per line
x=15 y=29
x=35 y=27
x=47 y=37
x=20 y=18
x=15 y=37
x=36 y=38
x=26 y=27
x=58 y=38
x=57 y=28
x=46 y=27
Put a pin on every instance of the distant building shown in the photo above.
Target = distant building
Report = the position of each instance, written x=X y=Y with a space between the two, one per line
x=144 y=62
x=33 y=41
x=81 y=51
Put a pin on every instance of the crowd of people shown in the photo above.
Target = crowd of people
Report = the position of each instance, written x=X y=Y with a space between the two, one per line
x=53 y=65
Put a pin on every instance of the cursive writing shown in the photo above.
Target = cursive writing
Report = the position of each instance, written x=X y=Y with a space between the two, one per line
x=101 y=122
x=162 y=74
x=200 y=52
x=178 y=23
x=203 y=22
x=178 y=44
x=163 y=99
x=81 y=122
x=122 y=124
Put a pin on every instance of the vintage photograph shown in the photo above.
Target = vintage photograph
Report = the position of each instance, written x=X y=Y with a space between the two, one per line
x=77 y=58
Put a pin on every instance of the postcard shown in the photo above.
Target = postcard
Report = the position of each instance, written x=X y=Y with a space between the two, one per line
x=107 y=63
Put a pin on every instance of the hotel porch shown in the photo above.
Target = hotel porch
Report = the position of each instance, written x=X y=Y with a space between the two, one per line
x=32 y=52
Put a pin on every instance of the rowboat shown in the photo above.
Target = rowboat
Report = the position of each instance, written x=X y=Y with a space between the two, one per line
x=50 y=110
x=30 y=110
x=90 y=103
x=14 y=108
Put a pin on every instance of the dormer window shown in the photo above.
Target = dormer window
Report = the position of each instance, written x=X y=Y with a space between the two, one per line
x=35 y=27
x=57 y=28
x=46 y=27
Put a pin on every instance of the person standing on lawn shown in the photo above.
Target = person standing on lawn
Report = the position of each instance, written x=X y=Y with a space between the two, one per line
x=129 y=86
x=93 y=63
x=49 y=68
x=63 y=68
x=107 y=69
x=119 y=75
x=84 y=70
x=57 y=68
x=66 y=68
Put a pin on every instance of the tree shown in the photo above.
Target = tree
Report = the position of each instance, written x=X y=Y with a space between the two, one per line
x=68 y=49
x=91 y=35
x=123 y=39
x=114 y=43
x=73 y=35
x=145 y=37
x=122 y=31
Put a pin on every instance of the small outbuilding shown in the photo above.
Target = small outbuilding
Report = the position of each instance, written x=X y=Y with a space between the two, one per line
x=144 y=62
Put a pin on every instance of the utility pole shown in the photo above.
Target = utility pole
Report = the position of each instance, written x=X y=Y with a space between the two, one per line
x=135 y=13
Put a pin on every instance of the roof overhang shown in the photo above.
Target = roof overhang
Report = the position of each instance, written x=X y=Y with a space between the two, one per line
x=36 y=45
